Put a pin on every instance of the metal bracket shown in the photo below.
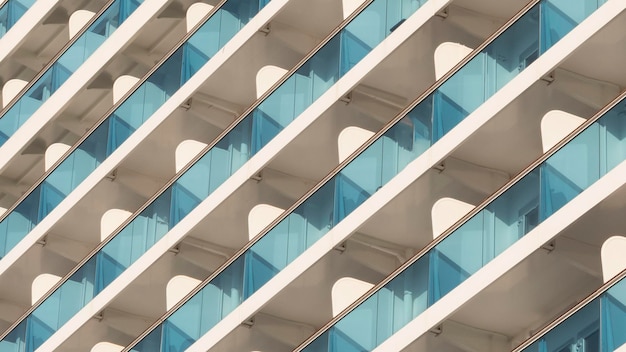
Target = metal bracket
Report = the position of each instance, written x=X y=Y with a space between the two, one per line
x=258 y=177
x=550 y=247
x=440 y=167
x=549 y=78
x=347 y=99
x=43 y=241
x=341 y=248
x=266 y=29
x=112 y=176
x=186 y=105
x=436 y=330
x=248 y=323
x=175 y=249
x=443 y=14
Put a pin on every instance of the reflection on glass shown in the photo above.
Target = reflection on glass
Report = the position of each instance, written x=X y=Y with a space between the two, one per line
x=156 y=219
x=12 y=11
x=67 y=63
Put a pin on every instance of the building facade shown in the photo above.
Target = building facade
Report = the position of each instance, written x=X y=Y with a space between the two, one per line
x=312 y=175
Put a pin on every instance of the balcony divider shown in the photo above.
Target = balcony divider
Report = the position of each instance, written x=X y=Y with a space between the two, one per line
x=63 y=65
x=11 y=11
x=217 y=27
x=265 y=256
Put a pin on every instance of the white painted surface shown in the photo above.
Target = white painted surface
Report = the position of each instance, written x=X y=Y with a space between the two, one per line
x=613 y=254
x=348 y=6
x=106 y=347
x=111 y=220
x=186 y=151
x=78 y=20
x=447 y=211
x=11 y=89
x=260 y=216
x=2 y=210
x=350 y=139
x=556 y=125
x=195 y=13
x=347 y=290
x=53 y=153
x=177 y=288
x=122 y=85
x=267 y=77
x=447 y=55
x=42 y=284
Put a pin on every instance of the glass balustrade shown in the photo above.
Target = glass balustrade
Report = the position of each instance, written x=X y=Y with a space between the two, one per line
x=100 y=270
x=597 y=327
x=426 y=123
x=131 y=114
x=78 y=52
x=12 y=11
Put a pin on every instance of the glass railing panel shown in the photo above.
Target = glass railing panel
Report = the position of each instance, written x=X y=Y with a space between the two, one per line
x=129 y=116
x=12 y=11
x=382 y=160
x=522 y=207
x=170 y=206
x=64 y=66
x=597 y=326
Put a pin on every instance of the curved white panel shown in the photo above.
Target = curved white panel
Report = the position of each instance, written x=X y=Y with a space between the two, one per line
x=2 y=210
x=350 y=139
x=447 y=55
x=613 y=260
x=177 y=288
x=260 y=216
x=11 y=89
x=42 y=284
x=110 y=220
x=186 y=151
x=78 y=20
x=106 y=347
x=349 y=6
x=555 y=125
x=122 y=85
x=195 y=13
x=54 y=152
x=345 y=291
x=266 y=77
x=447 y=211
